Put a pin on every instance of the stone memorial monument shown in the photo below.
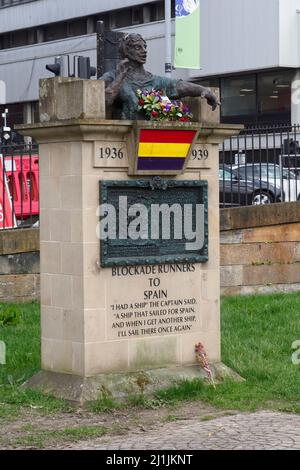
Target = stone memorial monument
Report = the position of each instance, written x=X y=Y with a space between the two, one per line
x=129 y=233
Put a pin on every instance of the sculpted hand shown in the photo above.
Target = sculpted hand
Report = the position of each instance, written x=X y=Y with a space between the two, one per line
x=211 y=99
x=122 y=68
x=112 y=91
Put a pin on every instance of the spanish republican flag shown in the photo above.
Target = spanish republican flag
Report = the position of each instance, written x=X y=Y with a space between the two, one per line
x=161 y=149
x=187 y=36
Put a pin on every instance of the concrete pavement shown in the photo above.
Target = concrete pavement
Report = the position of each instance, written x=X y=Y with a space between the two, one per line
x=254 y=431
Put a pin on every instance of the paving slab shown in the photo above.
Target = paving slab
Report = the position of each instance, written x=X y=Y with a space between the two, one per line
x=263 y=430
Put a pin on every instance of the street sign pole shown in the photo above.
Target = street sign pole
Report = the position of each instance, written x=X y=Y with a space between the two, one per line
x=100 y=49
x=168 y=64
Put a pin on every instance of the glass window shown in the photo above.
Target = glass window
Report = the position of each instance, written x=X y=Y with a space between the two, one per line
x=31 y=36
x=36 y=111
x=137 y=15
x=264 y=171
x=238 y=95
x=157 y=11
x=6 y=41
x=274 y=92
x=225 y=175
x=248 y=172
x=55 y=31
x=15 y=113
x=172 y=8
x=19 y=38
x=77 y=27
x=211 y=82
x=273 y=172
x=121 y=18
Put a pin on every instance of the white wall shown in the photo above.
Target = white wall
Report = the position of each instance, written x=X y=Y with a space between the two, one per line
x=50 y=11
x=289 y=33
x=238 y=35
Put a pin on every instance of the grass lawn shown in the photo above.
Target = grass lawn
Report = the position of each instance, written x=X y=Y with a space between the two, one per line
x=257 y=337
x=22 y=361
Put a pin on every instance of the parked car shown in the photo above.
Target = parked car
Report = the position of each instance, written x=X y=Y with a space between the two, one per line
x=284 y=179
x=237 y=191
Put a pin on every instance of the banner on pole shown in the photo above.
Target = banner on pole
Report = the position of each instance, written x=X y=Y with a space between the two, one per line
x=187 y=42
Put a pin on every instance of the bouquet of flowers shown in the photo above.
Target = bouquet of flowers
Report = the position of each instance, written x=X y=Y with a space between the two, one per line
x=158 y=107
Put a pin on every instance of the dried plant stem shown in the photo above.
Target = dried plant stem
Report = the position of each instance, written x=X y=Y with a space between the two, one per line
x=201 y=357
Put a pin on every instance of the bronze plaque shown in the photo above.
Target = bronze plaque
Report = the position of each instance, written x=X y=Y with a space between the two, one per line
x=153 y=222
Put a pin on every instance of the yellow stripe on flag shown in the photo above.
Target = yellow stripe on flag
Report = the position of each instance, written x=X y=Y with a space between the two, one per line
x=150 y=149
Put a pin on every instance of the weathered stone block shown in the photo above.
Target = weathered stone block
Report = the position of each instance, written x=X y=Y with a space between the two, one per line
x=259 y=216
x=201 y=111
x=50 y=257
x=21 y=263
x=275 y=274
x=61 y=290
x=19 y=288
x=71 y=98
x=231 y=276
x=231 y=236
x=106 y=357
x=276 y=233
x=258 y=253
x=145 y=353
x=297 y=251
x=19 y=241
x=260 y=290
x=57 y=355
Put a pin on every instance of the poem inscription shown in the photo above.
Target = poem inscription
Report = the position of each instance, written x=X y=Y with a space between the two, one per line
x=157 y=307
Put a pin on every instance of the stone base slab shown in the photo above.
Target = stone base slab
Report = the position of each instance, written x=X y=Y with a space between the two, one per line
x=120 y=385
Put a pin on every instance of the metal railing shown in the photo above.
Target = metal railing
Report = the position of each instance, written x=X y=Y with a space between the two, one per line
x=19 y=186
x=260 y=166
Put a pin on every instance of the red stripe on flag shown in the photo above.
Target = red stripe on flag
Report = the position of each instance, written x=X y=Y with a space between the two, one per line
x=167 y=137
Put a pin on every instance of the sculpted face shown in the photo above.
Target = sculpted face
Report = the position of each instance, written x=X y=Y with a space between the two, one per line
x=137 y=51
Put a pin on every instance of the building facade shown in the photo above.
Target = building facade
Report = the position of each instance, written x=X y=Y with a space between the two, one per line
x=249 y=48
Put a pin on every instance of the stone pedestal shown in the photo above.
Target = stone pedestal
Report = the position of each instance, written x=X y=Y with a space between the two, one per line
x=86 y=327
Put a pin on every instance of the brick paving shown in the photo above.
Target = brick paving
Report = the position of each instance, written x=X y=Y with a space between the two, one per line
x=260 y=430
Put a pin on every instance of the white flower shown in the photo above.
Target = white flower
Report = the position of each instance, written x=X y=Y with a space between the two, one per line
x=165 y=100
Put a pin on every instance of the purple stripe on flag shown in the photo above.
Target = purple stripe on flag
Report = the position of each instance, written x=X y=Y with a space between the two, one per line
x=149 y=163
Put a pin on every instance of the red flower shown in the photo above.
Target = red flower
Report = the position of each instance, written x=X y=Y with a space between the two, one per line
x=160 y=107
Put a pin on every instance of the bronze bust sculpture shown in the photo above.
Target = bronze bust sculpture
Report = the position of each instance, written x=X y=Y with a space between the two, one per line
x=122 y=84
